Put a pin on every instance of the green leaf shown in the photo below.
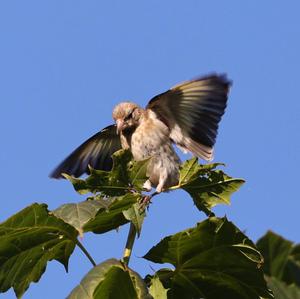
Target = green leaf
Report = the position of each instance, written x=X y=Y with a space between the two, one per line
x=110 y=280
x=112 y=217
x=191 y=170
x=78 y=214
x=207 y=186
x=136 y=216
x=98 y=181
x=282 y=258
x=213 y=260
x=282 y=290
x=157 y=289
x=137 y=173
x=119 y=172
x=124 y=176
x=28 y=240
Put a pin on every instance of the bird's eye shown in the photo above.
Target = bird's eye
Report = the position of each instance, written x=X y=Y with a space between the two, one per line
x=128 y=116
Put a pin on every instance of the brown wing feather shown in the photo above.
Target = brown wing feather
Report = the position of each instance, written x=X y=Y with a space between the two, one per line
x=192 y=110
x=96 y=152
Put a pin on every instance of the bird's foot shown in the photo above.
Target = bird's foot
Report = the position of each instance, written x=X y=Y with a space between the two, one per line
x=159 y=188
x=144 y=202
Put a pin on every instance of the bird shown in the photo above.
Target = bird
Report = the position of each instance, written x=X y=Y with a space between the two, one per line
x=186 y=115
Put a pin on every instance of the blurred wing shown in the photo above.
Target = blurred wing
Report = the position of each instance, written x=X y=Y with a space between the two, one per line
x=96 y=152
x=192 y=110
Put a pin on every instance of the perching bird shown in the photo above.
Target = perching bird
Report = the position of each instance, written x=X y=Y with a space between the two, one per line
x=188 y=115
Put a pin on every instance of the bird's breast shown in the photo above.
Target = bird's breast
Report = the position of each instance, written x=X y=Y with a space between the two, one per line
x=148 y=139
x=151 y=139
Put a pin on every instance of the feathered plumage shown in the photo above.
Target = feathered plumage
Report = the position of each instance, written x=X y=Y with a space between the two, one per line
x=187 y=114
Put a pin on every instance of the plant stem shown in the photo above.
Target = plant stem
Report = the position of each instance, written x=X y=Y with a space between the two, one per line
x=132 y=233
x=129 y=244
x=86 y=253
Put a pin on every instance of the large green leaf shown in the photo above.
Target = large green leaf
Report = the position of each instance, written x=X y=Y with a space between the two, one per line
x=283 y=291
x=191 y=169
x=111 y=280
x=135 y=215
x=126 y=175
x=28 y=240
x=157 y=289
x=206 y=185
x=282 y=258
x=112 y=216
x=78 y=214
x=137 y=173
x=214 y=260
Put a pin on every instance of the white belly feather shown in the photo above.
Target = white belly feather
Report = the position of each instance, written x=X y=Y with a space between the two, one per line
x=151 y=139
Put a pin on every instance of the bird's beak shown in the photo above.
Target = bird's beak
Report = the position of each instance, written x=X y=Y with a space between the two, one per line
x=120 y=125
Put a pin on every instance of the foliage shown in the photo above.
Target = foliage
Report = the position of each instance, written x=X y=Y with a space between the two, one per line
x=28 y=240
x=282 y=265
x=212 y=260
x=206 y=185
x=209 y=259
x=111 y=279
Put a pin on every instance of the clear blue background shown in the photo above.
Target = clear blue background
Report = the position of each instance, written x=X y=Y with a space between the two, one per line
x=65 y=64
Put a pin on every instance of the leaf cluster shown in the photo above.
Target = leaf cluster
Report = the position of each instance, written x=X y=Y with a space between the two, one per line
x=282 y=265
x=212 y=260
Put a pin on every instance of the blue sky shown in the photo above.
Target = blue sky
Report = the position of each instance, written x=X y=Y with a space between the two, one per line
x=65 y=64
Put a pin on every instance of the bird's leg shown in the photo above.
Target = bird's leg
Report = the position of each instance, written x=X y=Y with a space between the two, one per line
x=159 y=188
x=146 y=200
x=162 y=181
x=147 y=186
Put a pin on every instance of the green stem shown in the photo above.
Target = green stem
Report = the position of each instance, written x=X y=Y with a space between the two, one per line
x=129 y=244
x=205 y=210
x=132 y=234
x=86 y=253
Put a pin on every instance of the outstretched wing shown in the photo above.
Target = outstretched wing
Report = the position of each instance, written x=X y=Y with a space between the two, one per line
x=192 y=110
x=96 y=152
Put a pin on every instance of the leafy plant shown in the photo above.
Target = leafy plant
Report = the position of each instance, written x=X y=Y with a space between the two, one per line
x=282 y=265
x=212 y=260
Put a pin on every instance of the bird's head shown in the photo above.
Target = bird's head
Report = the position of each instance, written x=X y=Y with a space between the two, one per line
x=127 y=116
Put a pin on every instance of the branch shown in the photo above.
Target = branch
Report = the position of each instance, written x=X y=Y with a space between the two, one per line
x=132 y=230
x=86 y=253
x=129 y=244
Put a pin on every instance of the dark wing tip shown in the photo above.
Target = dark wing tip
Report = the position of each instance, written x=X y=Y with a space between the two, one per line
x=56 y=174
x=96 y=152
x=70 y=166
x=220 y=79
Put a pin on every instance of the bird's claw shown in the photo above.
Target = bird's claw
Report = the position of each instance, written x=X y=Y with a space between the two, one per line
x=144 y=202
